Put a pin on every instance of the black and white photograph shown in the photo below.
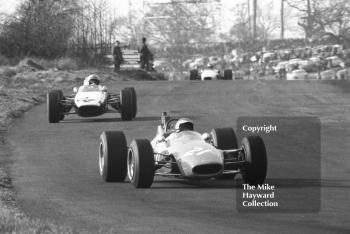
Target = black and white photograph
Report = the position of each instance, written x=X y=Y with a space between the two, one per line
x=174 y=116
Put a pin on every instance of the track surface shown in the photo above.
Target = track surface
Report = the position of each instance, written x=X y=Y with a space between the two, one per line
x=55 y=172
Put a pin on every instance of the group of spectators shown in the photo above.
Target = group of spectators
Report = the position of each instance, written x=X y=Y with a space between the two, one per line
x=146 y=56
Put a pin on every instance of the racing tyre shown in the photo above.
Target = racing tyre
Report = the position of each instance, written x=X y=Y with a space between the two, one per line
x=53 y=106
x=225 y=139
x=228 y=74
x=140 y=163
x=255 y=168
x=61 y=108
x=127 y=104
x=194 y=74
x=134 y=101
x=112 y=156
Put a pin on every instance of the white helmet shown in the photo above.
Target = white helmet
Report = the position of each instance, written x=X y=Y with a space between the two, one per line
x=184 y=124
x=92 y=79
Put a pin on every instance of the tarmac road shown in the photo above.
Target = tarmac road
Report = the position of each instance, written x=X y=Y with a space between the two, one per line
x=55 y=168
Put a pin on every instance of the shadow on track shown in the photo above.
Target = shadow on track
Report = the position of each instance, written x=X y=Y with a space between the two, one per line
x=100 y=120
x=194 y=184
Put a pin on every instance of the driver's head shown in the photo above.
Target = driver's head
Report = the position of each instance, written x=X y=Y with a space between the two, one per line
x=184 y=124
x=94 y=80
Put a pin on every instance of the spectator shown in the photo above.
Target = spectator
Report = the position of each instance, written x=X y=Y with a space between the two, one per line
x=118 y=56
x=146 y=56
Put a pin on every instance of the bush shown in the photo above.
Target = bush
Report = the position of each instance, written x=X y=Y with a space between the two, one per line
x=9 y=72
x=37 y=63
x=67 y=64
x=4 y=61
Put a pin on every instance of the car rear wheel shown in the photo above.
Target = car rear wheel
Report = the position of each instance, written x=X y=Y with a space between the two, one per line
x=54 y=107
x=112 y=156
x=225 y=139
x=194 y=74
x=140 y=163
x=255 y=169
x=127 y=102
x=228 y=74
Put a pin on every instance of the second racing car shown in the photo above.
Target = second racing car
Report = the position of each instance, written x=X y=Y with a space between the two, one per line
x=90 y=100
x=179 y=151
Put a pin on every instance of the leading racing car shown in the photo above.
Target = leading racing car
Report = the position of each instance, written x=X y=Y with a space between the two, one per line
x=177 y=150
x=90 y=100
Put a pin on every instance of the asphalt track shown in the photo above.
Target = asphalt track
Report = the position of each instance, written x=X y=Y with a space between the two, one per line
x=55 y=172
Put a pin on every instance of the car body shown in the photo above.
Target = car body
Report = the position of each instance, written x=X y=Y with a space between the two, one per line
x=90 y=100
x=280 y=65
x=308 y=65
x=342 y=74
x=210 y=74
x=186 y=154
x=328 y=75
x=335 y=61
x=298 y=74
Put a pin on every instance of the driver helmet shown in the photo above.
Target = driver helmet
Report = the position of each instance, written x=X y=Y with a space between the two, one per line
x=210 y=66
x=92 y=80
x=184 y=124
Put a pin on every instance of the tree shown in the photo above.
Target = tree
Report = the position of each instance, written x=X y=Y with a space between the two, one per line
x=177 y=25
x=240 y=31
x=282 y=19
x=267 y=22
x=39 y=28
x=324 y=18
x=308 y=10
x=333 y=20
x=255 y=10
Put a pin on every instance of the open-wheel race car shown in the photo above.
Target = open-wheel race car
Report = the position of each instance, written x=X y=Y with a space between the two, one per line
x=210 y=74
x=179 y=151
x=90 y=100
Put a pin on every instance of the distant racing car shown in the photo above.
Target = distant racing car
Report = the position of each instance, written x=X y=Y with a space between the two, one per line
x=90 y=100
x=179 y=152
x=210 y=74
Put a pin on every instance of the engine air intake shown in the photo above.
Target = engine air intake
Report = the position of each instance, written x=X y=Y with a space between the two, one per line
x=207 y=169
x=89 y=111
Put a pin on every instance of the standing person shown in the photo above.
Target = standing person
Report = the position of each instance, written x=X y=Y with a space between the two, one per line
x=146 y=55
x=118 y=56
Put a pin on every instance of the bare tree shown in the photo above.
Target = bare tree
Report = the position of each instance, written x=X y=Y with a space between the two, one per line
x=241 y=30
x=267 y=22
x=308 y=10
x=282 y=19
x=255 y=11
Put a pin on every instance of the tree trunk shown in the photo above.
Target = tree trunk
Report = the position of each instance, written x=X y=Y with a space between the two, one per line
x=255 y=10
x=282 y=19
x=308 y=32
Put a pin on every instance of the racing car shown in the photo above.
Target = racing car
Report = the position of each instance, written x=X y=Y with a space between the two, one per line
x=183 y=153
x=210 y=74
x=90 y=100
